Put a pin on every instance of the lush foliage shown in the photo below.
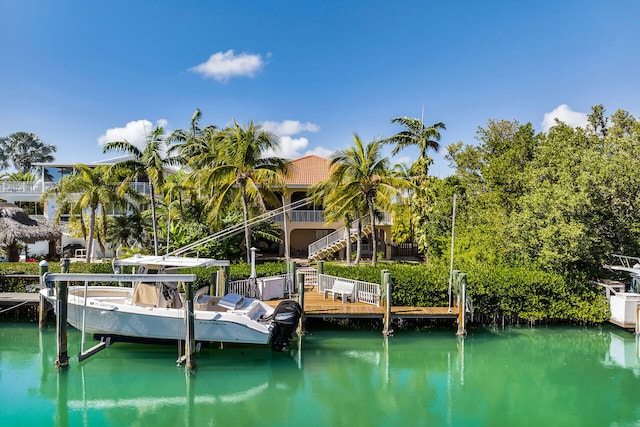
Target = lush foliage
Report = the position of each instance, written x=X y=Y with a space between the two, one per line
x=562 y=200
x=204 y=275
x=499 y=293
x=22 y=149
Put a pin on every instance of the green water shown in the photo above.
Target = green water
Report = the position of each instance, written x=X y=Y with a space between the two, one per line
x=514 y=377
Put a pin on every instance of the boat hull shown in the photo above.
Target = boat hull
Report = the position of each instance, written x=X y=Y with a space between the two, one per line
x=108 y=313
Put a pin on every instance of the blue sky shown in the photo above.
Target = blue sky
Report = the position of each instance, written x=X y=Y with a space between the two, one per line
x=80 y=73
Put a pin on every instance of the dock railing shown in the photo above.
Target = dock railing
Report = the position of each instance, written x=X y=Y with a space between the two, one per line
x=249 y=287
x=366 y=292
x=627 y=261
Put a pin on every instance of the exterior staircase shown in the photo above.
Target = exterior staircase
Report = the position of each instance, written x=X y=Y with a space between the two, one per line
x=335 y=241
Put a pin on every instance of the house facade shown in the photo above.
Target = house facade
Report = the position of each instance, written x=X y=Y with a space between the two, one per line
x=300 y=228
x=306 y=225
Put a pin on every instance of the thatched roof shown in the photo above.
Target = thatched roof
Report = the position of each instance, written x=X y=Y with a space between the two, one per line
x=17 y=226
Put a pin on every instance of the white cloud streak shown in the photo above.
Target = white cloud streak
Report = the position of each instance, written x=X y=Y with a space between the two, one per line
x=134 y=132
x=564 y=114
x=289 y=127
x=289 y=146
x=222 y=66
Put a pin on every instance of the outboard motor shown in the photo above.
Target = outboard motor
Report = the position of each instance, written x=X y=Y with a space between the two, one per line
x=285 y=319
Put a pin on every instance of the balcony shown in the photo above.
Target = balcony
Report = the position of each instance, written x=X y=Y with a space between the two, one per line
x=318 y=216
x=37 y=188
x=302 y=216
x=26 y=187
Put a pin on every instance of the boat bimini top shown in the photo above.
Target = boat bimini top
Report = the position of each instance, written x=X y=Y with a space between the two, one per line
x=161 y=263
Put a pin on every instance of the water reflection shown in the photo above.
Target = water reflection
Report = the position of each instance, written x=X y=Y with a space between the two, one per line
x=141 y=383
x=517 y=376
x=623 y=352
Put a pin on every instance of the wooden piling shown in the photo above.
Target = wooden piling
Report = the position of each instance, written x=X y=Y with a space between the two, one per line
x=213 y=283
x=387 y=313
x=62 y=297
x=43 y=307
x=225 y=279
x=462 y=287
x=190 y=344
x=300 y=282
x=62 y=359
x=383 y=288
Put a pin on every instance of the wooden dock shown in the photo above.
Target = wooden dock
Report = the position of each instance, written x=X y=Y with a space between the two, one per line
x=315 y=305
x=15 y=298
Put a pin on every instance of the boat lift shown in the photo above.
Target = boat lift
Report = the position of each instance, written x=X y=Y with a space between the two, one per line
x=61 y=280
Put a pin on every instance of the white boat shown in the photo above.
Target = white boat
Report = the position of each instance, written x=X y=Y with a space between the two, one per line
x=624 y=300
x=153 y=307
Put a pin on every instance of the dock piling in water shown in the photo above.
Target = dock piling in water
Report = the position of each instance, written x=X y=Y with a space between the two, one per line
x=300 y=282
x=62 y=359
x=43 y=307
x=189 y=344
x=387 y=313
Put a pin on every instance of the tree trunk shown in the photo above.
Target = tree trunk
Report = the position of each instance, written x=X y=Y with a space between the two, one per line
x=12 y=252
x=348 y=247
x=374 y=237
x=247 y=229
x=153 y=218
x=92 y=226
x=359 y=243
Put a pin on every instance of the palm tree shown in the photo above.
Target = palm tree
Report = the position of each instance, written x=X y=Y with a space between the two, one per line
x=417 y=134
x=148 y=161
x=85 y=190
x=329 y=194
x=405 y=197
x=238 y=172
x=24 y=149
x=363 y=174
x=192 y=142
x=126 y=230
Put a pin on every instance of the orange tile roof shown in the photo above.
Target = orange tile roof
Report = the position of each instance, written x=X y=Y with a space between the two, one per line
x=308 y=170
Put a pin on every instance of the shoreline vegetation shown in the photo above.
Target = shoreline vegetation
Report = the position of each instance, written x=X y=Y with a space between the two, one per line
x=501 y=295
x=537 y=214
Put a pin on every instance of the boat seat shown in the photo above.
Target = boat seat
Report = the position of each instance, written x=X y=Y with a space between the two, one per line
x=145 y=295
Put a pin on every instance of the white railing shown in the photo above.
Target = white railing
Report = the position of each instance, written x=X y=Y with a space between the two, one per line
x=327 y=240
x=245 y=287
x=365 y=292
x=627 y=261
x=302 y=216
x=141 y=187
x=310 y=275
x=249 y=287
x=24 y=186
x=387 y=219
x=33 y=187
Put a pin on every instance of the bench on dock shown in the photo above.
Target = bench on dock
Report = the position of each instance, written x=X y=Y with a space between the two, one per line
x=342 y=288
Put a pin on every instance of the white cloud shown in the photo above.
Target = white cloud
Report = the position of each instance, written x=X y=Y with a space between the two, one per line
x=224 y=65
x=134 y=132
x=290 y=147
x=566 y=115
x=294 y=148
x=320 y=151
x=289 y=127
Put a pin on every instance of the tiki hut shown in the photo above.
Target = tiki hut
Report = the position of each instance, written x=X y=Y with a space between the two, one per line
x=17 y=226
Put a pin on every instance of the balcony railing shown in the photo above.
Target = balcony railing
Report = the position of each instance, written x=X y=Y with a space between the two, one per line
x=31 y=187
x=318 y=216
x=302 y=216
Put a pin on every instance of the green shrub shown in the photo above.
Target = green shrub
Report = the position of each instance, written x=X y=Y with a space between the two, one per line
x=499 y=293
